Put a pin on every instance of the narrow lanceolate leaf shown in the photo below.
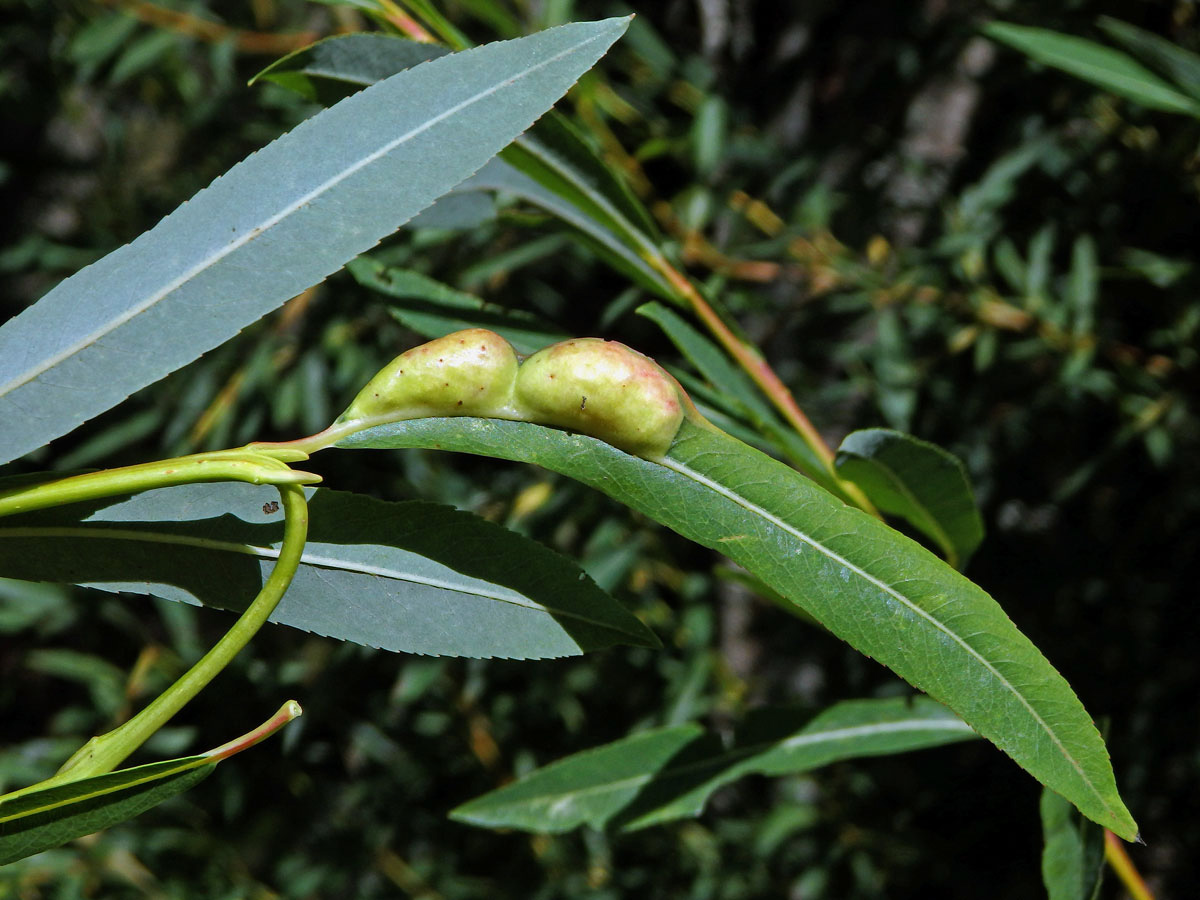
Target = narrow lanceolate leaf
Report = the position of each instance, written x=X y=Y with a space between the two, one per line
x=712 y=362
x=336 y=67
x=552 y=167
x=1103 y=66
x=1180 y=65
x=34 y=820
x=1073 y=853
x=590 y=788
x=919 y=482
x=670 y=773
x=275 y=224
x=868 y=584
x=45 y=819
x=534 y=173
x=434 y=310
x=415 y=577
x=457 y=212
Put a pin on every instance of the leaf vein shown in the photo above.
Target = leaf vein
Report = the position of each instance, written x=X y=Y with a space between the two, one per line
x=754 y=508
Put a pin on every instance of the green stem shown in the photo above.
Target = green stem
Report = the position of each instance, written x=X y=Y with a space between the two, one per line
x=319 y=441
x=105 y=752
x=223 y=465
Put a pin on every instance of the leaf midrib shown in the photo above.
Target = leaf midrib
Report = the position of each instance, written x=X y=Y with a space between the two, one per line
x=757 y=510
x=251 y=233
x=309 y=559
x=183 y=767
x=548 y=158
x=737 y=754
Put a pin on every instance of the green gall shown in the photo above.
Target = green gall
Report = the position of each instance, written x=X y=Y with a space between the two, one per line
x=597 y=387
x=603 y=389
x=467 y=373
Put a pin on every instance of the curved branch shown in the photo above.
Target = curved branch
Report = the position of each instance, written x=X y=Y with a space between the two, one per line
x=105 y=752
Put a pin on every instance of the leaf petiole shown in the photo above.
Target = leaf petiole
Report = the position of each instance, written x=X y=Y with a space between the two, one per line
x=240 y=464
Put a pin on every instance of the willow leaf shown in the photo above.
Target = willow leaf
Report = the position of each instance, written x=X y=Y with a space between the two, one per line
x=589 y=788
x=414 y=576
x=551 y=167
x=876 y=589
x=50 y=818
x=534 y=173
x=1178 y=63
x=665 y=774
x=1073 y=852
x=274 y=225
x=37 y=819
x=1103 y=66
x=336 y=67
x=714 y=364
x=918 y=481
x=434 y=310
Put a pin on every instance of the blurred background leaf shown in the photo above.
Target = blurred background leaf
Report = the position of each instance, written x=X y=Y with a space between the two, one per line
x=1103 y=66
x=1073 y=858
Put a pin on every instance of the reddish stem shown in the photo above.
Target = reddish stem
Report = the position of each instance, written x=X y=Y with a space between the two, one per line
x=1118 y=860
x=214 y=32
x=763 y=375
x=286 y=713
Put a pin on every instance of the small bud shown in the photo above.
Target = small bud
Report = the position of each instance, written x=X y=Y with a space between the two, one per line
x=604 y=389
x=467 y=373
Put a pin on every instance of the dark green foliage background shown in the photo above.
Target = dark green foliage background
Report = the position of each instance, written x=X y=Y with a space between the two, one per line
x=851 y=121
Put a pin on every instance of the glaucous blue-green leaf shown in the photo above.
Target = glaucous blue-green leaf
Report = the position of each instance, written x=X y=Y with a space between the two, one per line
x=552 y=167
x=1073 y=852
x=919 y=482
x=1103 y=66
x=338 y=66
x=36 y=819
x=457 y=212
x=434 y=310
x=669 y=773
x=275 y=224
x=876 y=589
x=412 y=576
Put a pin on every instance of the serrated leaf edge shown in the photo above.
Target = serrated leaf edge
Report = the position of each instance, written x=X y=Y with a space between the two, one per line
x=757 y=510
